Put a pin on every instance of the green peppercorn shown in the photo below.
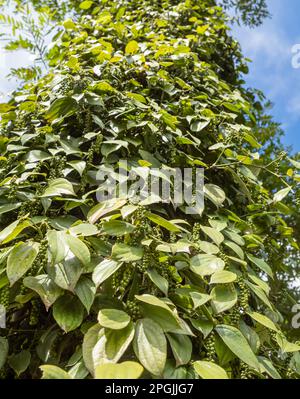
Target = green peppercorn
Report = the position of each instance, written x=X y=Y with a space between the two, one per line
x=234 y=316
x=245 y=371
x=133 y=309
x=4 y=296
x=243 y=295
x=34 y=313
x=210 y=347
x=196 y=232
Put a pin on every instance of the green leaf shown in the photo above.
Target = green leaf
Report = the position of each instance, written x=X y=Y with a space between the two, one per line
x=17 y=230
x=117 y=342
x=132 y=47
x=90 y=339
x=137 y=97
x=113 y=318
x=295 y=163
x=85 y=5
x=224 y=297
x=251 y=336
x=8 y=231
x=68 y=312
x=261 y=264
x=281 y=194
x=199 y=299
x=37 y=155
x=79 y=166
x=125 y=253
x=203 y=325
x=78 y=371
x=57 y=245
x=61 y=108
x=210 y=371
x=214 y=234
x=20 y=259
x=267 y=367
x=233 y=236
x=159 y=311
x=9 y=207
x=174 y=248
x=58 y=187
x=54 y=373
x=238 y=344
x=117 y=228
x=122 y=371
x=43 y=285
x=208 y=248
x=3 y=351
x=285 y=345
x=103 y=346
x=161 y=282
x=206 y=265
x=79 y=249
x=197 y=126
x=84 y=230
x=181 y=346
x=150 y=346
x=263 y=320
x=260 y=294
x=162 y=222
x=128 y=210
x=19 y=362
x=104 y=208
x=235 y=248
x=224 y=354
x=66 y=274
x=69 y=24
x=223 y=277
x=86 y=291
x=104 y=270
x=215 y=194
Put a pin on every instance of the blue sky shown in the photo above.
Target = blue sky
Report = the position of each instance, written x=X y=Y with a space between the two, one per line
x=269 y=46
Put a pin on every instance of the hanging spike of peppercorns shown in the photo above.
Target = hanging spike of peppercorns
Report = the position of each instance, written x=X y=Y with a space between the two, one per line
x=133 y=309
x=234 y=316
x=245 y=371
x=210 y=347
x=244 y=295
x=196 y=232
x=34 y=312
x=4 y=296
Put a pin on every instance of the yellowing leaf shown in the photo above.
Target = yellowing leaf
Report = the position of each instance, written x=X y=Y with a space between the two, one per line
x=150 y=346
x=113 y=318
x=20 y=260
x=202 y=29
x=120 y=371
x=69 y=24
x=263 y=320
x=281 y=194
x=85 y=5
x=132 y=47
x=210 y=371
x=51 y=372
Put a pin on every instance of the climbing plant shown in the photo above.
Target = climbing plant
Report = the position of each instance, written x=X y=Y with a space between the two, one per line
x=123 y=289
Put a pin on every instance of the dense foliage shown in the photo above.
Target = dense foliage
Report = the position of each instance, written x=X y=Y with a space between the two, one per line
x=119 y=289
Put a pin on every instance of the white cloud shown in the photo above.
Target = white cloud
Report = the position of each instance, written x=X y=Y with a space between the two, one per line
x=270 y=48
